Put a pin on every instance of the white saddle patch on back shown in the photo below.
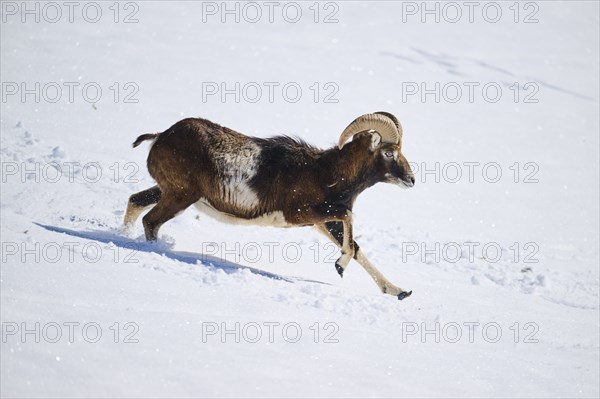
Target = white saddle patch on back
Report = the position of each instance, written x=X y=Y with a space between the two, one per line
x=237 y=169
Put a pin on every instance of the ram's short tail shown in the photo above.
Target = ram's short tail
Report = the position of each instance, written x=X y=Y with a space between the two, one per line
x=144 y=137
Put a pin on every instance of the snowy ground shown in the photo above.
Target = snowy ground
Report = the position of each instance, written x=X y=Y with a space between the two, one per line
x=504 y=270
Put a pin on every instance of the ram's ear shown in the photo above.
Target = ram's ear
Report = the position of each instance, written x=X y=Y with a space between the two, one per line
x=375 y=141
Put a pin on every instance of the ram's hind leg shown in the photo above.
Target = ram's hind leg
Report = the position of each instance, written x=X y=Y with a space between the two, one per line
x=139 y=202
x=335 y=232
x=168 y=207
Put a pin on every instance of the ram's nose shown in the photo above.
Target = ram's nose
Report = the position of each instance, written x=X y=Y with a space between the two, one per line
x=408 y=181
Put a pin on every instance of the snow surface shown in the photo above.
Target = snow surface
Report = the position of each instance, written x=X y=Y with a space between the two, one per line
x=65 y=258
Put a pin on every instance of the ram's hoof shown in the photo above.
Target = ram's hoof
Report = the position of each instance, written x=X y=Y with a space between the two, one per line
x=404 y=294
x=339 y=269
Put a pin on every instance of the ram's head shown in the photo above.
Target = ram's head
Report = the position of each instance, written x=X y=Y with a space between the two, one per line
x=385 y=133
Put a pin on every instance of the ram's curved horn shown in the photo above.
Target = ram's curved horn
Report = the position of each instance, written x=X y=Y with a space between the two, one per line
x=386 y=126
x=396 y=121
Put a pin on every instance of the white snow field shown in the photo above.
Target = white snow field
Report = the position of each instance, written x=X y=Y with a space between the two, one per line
x=498 y=239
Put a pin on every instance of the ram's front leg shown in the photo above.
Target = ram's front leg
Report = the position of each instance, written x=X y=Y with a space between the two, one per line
x=319 y=215
x=348 y=249
x=335 y=232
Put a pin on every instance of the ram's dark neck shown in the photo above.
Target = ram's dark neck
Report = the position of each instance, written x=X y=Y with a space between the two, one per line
x=347 y=172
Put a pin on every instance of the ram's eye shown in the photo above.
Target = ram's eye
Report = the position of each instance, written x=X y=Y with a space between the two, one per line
x=389 y=154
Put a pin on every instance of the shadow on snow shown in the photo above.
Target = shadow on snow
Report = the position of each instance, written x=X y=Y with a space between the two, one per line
x=190 y=258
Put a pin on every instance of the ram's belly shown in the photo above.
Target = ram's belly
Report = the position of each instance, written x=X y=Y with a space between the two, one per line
x=274 y=219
